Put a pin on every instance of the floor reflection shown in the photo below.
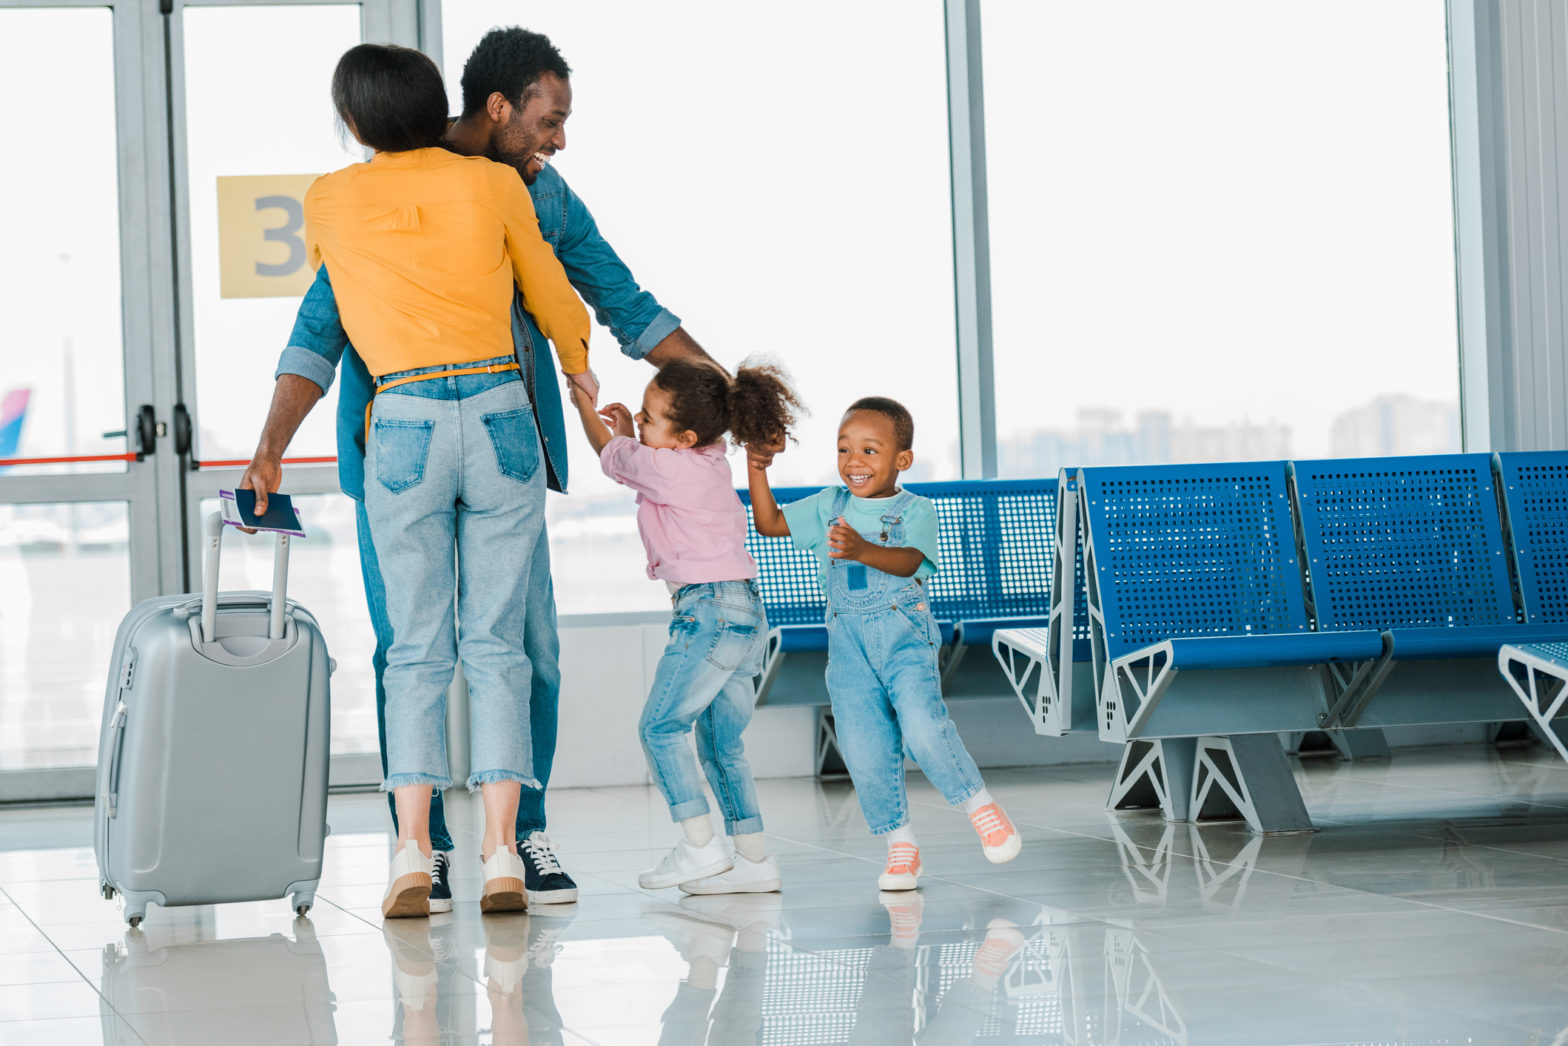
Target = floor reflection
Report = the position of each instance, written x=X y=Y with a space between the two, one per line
x=184 y=985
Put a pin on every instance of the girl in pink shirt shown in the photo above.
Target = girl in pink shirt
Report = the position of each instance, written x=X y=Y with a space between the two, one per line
x=672 y=453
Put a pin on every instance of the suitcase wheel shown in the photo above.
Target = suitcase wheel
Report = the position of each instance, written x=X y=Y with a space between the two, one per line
x=134 y=920
x=107 y=891
x=302 y=910
x=302 y=902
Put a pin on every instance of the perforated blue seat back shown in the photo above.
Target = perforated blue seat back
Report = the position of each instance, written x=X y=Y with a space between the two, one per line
x=1535 y=489
x=1403 y=542
x=1192 y=550
x=997 y=542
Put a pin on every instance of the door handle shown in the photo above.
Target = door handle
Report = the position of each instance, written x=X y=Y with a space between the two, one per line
x=182 y=430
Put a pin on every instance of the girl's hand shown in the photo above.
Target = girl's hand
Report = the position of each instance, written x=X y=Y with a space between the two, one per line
x=587 y=383
x=760 y=455
x=844 y=542
x=619 y=420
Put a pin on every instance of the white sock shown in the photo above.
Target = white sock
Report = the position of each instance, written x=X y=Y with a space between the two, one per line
x=699 y=830
x=749 y=845
x=976 y=801
x=902 y=834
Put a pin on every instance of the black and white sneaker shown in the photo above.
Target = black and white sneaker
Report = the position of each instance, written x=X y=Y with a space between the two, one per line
x=440 y=883
x=546 y=882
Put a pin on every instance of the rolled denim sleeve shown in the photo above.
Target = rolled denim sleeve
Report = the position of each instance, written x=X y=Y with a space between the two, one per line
x=632 y=314
x=318 y=340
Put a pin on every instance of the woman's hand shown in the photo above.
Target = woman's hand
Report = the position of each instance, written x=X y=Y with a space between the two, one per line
x=619 y=420
x=587 y=383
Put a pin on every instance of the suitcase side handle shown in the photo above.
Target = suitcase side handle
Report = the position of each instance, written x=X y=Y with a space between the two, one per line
x=111 y=795
x=209 y=583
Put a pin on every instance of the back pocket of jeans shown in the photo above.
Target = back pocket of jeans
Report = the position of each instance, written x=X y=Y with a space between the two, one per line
x=401 y=450
x=515 y=441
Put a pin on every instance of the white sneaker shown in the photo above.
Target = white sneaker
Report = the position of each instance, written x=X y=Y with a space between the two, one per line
x=686 y=863
x=745 y=877
x=505 y=890
x=408 y=884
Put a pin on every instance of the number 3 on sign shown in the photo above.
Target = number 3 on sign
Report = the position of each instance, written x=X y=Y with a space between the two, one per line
x=261 y=236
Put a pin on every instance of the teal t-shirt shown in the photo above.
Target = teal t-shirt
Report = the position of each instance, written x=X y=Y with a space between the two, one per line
x=810 y=518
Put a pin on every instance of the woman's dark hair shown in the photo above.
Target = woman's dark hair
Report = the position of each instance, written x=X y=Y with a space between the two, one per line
x=509 y=61
x=756 y=406
x=390 y=97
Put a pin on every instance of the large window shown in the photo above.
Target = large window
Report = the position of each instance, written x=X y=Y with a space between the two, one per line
x=1219 y=230
x=778 y=176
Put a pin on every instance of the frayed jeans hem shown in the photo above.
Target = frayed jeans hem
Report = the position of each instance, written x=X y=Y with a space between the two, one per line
x=485 y=777
x=404 y=780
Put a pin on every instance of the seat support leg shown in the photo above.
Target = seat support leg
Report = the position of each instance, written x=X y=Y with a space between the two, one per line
x=1246 y=776
x=1155 y=773
x=829 y=759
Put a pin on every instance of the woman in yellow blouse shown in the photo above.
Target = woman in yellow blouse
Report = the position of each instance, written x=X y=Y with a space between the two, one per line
x=425 y=247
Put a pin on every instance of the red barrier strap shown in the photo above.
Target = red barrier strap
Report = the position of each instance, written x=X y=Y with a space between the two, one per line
x=286 y=461
x=6 y=462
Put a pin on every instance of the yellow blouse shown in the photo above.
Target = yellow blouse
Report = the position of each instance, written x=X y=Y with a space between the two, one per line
x=424 y=246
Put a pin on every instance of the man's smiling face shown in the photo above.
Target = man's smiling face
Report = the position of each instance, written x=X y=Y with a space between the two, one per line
x=535 y=131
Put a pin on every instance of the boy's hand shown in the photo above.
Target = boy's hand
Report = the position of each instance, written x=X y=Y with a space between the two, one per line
x=760 y=455
x=619 y=420
x=586 y=383
x=844 y=542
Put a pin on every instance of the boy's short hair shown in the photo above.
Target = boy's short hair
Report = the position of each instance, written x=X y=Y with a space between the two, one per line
x=894 y=411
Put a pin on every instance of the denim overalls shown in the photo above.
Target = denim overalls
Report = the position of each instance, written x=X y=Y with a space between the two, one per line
x=883 y=681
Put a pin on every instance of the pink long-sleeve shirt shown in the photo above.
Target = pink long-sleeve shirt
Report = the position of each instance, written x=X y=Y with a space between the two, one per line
x=692 y=523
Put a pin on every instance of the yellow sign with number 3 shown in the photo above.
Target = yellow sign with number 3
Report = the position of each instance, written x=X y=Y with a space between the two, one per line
x=261 y=236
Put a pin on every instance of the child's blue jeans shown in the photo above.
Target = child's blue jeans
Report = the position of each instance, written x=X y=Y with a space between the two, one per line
x=717 y=636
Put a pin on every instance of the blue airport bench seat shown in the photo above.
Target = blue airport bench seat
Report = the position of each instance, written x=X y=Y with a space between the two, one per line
x=1535 y=494
x=997 y=544
x=1202 y=641
x=1040 y=660
x=1414 y=547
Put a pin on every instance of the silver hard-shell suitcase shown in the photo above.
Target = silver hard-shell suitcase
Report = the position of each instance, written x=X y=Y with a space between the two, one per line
x=212 y=759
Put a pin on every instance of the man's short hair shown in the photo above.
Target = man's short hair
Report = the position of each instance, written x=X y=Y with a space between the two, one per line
x=894 y=411
x=509 y=60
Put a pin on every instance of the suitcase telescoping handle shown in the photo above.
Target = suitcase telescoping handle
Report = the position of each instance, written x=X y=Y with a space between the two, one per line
x=209 y=581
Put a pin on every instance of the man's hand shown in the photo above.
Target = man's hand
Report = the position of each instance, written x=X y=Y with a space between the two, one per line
x=619 y=419
x=264 y=475
x=760 y=455
x=844 y=542
x=587 y=382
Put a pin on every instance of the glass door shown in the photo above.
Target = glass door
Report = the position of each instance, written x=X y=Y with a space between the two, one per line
x=253 y=126
x=81 y=435
x=152 y=271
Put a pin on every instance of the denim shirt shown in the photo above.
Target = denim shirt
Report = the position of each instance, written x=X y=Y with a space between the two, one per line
x=318 y=342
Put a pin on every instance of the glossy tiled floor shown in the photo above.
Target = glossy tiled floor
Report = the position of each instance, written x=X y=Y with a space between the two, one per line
x=1432 y=907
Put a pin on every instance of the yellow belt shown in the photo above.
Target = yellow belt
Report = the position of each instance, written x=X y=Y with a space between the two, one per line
x=494 y=368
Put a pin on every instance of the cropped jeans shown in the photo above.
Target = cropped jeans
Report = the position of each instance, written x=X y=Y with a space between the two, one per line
x=453 y=463
x=717 y=635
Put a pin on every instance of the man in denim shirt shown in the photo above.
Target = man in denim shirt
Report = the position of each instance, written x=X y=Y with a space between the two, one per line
x=516 y=99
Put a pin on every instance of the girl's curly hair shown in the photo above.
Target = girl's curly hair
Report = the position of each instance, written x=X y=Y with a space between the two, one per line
x=756 y=406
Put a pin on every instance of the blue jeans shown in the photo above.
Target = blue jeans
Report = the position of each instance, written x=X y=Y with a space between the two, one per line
x=887 y=697
x=540 y=639
x=453 y=463
x=717 y=636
